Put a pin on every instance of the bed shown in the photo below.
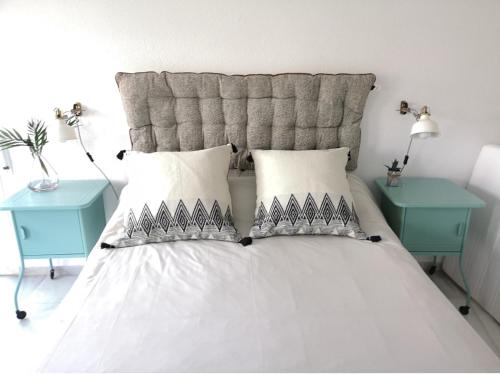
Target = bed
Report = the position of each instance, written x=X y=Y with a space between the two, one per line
x=303 y=303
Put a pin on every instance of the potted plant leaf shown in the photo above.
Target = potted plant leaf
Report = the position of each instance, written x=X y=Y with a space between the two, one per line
x=393 y=174
x=43 y=176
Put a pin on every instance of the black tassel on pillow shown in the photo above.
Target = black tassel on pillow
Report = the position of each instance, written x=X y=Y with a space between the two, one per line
x=120 y=154
x=246 y=241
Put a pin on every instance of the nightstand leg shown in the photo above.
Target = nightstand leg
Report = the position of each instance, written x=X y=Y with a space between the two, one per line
x=51 y=268
x=19 y=313
x=464 y=309
x=433 y=268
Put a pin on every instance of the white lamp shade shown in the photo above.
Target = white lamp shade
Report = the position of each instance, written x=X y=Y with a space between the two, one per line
x=424 y=127
x=64 y=131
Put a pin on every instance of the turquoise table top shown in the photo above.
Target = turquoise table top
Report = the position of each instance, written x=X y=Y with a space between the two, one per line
x=429 y=193
x=72 y=194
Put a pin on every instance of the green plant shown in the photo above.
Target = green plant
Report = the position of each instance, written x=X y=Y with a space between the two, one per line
x=394 y=166
x=35 y=139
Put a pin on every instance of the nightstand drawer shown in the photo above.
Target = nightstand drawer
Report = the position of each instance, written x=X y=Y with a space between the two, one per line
x=49 y=232
x=435 y=229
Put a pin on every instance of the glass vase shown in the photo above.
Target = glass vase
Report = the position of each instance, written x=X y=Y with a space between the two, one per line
x=43 y=176
x=393 y=178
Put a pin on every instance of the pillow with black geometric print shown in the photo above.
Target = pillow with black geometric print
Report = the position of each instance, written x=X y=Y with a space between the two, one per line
x=304 y=193
x=177 y=196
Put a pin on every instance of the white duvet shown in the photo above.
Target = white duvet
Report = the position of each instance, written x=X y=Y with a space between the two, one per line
x=281 y=304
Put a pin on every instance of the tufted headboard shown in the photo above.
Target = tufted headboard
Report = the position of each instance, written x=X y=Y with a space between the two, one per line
x=190 y=111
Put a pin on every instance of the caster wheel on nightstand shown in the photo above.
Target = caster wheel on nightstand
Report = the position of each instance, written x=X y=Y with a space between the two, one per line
x=52 y=274
x=20 y=314
x=464 y=310
x=432 y=270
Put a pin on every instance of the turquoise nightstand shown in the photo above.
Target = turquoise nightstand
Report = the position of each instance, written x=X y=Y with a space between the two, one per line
x=431 y=217
x=65 y=222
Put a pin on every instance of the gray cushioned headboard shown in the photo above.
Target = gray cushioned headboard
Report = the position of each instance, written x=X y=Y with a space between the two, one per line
x=191 y=111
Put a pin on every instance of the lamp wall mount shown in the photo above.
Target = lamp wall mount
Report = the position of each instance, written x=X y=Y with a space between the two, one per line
x=405 y=108
x=76 y=110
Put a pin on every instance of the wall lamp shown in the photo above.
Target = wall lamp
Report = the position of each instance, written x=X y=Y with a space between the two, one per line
x=69 y=129
x=423 y=128
x=65 y=130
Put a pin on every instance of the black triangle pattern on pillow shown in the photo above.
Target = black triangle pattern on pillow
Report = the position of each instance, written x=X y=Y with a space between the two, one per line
x=181 y=222
x=310 y=213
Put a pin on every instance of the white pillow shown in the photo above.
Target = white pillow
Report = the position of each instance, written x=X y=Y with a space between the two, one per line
x=304 y=192
x=177 y=196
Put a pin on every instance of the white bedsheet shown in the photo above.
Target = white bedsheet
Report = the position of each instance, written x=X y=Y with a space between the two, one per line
x=281 y=304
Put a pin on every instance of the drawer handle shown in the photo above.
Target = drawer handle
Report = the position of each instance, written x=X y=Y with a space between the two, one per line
x=460 y=229
x=24 y=232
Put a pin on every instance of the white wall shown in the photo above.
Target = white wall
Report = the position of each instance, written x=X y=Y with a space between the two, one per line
x=443 y=53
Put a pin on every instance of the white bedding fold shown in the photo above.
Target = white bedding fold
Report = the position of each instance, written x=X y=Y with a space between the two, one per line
x=282 y=304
